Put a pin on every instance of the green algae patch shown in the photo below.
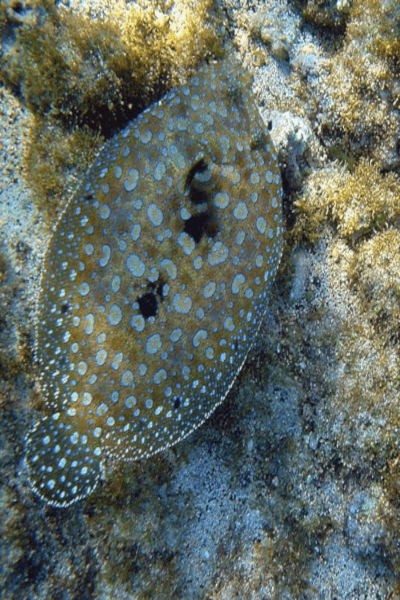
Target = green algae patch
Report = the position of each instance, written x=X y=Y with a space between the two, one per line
x=102 y=72
x=355 y=203
x=329 y=15
x=55 y=160
x=375 y=271
x=357 y=97
x=376 y=25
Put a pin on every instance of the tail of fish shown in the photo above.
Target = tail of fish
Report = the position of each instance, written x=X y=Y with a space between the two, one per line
x=63 y=464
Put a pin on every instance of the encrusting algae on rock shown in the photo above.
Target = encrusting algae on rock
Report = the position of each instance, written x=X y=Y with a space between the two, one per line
x=155 y=282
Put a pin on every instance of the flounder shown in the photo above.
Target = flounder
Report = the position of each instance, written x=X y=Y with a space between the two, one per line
x=155 y=282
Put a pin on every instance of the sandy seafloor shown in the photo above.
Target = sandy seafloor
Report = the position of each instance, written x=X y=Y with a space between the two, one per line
x=281 y=493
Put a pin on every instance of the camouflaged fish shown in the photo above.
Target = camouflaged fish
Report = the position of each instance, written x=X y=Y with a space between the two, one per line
x=155 y=282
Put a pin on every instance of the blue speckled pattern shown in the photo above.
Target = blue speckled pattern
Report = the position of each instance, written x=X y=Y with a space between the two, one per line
x=155 y=282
